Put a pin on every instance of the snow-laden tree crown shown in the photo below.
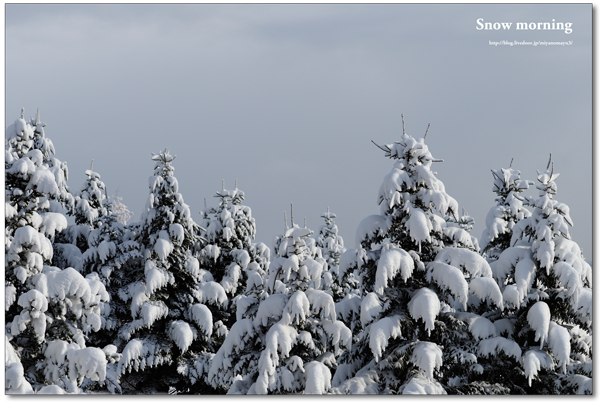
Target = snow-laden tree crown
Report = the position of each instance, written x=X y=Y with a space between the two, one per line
x=96 y=303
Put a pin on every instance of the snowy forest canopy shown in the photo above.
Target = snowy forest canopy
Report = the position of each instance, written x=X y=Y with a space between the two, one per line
x=96 y=304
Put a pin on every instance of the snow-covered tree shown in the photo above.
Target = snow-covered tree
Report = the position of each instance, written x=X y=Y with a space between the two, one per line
x=49 y=310
x=509 y=209
x=290 y=343
x=170 y=327
x=332 y=248
x=420 y=279
x=547 y=289
x=230 y=251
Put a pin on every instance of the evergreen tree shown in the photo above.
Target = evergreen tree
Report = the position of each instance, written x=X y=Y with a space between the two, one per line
x=230 y=248
x=49 y=310
x=170 y=327
x=290 y=343
x=509 y=209
x=546 y=286
x=420 y=280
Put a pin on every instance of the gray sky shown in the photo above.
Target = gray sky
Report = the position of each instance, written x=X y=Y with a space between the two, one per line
x=287 y=98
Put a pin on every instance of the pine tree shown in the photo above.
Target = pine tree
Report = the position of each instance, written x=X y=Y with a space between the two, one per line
x=547 y=289
x=170 y=328
x=290 y=343
x=420 y=280
x=230 y=249
x=49 y=310
x=509 y=209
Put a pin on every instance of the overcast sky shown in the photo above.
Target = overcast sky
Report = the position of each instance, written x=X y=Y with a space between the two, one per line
x=287 y=98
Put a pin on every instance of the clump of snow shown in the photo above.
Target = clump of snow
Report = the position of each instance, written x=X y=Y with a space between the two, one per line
x=182 y=334
x=381 y=332
x=492 y=346
x=450 y=278
x=538 y=317
x=559 y=342
x=338 y=333
x=535 y=359
x=271 y=307
x=318 y=378
x=391 y=262
x=472 y=262
x=487 y=288
x=321 y=302
x=297 y=309
x=420 y=384
x=425 y=304
x=427 y=356
x=370 y=308
x=482 y=328
x=202 y=316
x=369 y=227
x=213 y=293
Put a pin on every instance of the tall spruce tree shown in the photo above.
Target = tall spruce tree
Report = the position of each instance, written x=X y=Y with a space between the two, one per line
x=170 y=327
x=420 y=280
x=547 y=289
x=49 y=310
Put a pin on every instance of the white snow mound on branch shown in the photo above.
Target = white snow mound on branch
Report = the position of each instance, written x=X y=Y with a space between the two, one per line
x=182 y=334
x=425 y=304
x=533 y=361
x=370 y=308
x=380 y=333
x=271 y=307
x=420 y=384
x=427 y=356
x=492 y=346
x=318 y=378
x=485 y=288
x=202 y=316
x=559 y=342
x=321 y=302
x=450 y=278
x=297 y=309
x=472 y=262
x=538 y=317
x=391 y=262
x=482 y=328
x=371 y=226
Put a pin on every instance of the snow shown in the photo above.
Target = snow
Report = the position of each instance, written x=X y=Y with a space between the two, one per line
x=470 y=261
x=297 y=309
x=349 y=305
x=482 y=328
x=279 y=340
x=369 y=227
x=380 y=333
x=163 y=248
x=177 y=232
x=559 y=342
x=533 y=361
x=152 y=311
x=538 y=317
x=511 y=296
x=485 y=288
x=10 y=295
x=508 y=260
x=419 y=384
x=418 y=225
x=425 y=304
x=315 y=268
x=202 y=316
x=391 y=262
x=492 y=346
x=338 y=333
x=451 y=278
x=88 y=362
x=51 y=389
x=43 y=181
x=106 y=249
x=182 y=334
x=370 y=308
x=212 y=292
x=427 y=356
x=271 y=307
x=524 y=276
x=505 y=325
x=156 y=278
x=322 y=303
x=318 y=378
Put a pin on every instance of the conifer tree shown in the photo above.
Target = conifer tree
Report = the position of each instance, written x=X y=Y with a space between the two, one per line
x=509 y=209
x=419 y=280
x=230 y=249
x=290 y=343
x=49 y=310
x=170 y=327
x=546 y=285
